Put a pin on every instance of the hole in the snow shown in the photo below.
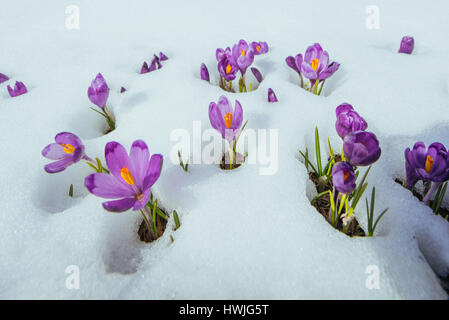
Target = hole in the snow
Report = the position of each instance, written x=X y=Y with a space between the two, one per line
x=226 y=161
x=161 y=223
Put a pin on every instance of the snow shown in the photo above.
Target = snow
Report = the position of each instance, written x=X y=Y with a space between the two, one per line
x=243 y=235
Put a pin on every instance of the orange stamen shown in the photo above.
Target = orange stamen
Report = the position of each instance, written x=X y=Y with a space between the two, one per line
x=242 y=52
x=228 y=120
x=140 y=197
x=429 y=164
x=315 y=63
x=68 y=148
x=127 y=176
x=258 y=48
x=228 y=69
x=346 y=176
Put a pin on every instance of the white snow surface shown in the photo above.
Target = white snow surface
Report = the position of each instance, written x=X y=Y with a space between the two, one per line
x=243 y=235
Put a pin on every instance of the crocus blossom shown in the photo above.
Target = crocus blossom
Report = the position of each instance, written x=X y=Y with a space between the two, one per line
x=67 y=150
x=242 y=55
x=361 y=148
x=348 y=120
x=407 y=44
x=3 y=78
x=98 y=92
x=131 y=177
x=272 y=96
x=227 y=68
x=204 y=73
x=144 y=68
x=343 y=177
x=226 y=120
x=162 y=56
x=19 y=89
x=259 y=47
x=431 y=164
x=295 y=62
x=257 y=74
x=315 y=65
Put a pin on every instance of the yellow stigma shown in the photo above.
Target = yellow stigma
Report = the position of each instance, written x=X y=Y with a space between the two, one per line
x=228 y=69
x=126 y=175
x=258 y=48
x=228 y=119
x=429 y=164
x=242 y=52
x=140 y=197
x=68 y=148
x=315 y=63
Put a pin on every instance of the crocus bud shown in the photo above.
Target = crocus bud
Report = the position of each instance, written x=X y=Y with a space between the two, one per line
x=157 y=61
x=204 y=73
x=257 y=74
x=343 y=177
x=361 y=148
x=271 y=96
x=19 y=89
x=162 y=56
x=427 y=165
x=144 y=68
x=98 y=92
x=122 y=89
x=407 y=44
x=348 y=120
x=3 y=78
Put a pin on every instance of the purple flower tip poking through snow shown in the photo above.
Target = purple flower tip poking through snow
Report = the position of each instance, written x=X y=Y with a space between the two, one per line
x=361 y=148
x=272 y=96
x=122 y=89
x=224 y=119
x=3 y=78
x=343 y=177
x=259 y=47
x=67 y=150
x=19 y=89
x=204 y=73
x=427 y=165
x=257 y=74
x=131 y=176
x=98 y=92
x=348 y=120
x=407 y=44
x=162 y=56
x=144 y=68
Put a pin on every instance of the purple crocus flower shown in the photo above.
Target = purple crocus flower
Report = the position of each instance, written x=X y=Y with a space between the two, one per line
x=272 y=96
x=259 y=47
x=98 y=92
x=144 y=68
x=343 y=177
x=67 y=150
x=227 y=68
x=19 y=89
x=361 y=148
x=295 y=62
x=316 y=64
x=219 y=53
x=407 y=44
x=162 y=56
x=204 y=73
x=242 y=55
x=224 y=119
x=348 y=120
x=131 y=177
x=3 y=78
x=122 y=89
x=257 y=74
x=157 y=61
x=427 y=165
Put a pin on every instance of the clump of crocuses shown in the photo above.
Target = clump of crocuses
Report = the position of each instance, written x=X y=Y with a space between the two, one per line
x=234 y=63
x=19 y=89
x=430 y=165
x=98 y=94
x=154 y=64
x=337 y=180
x=314 y=66
x=228 y=122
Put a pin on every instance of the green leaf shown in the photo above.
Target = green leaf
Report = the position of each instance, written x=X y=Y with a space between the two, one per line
x=71 y=191
x=306 y=158
x=378 y=219
x=176 y=218
x=318 y=152
x=154 y=217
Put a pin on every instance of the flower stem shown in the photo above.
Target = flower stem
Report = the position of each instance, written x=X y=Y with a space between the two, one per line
x=149 y=225
x=434 y=186
x=231 y=156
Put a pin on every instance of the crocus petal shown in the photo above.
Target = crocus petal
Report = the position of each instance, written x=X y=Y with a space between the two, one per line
x=68 y=138
x=139 y=155
x=291 y=63
x=54 y=151
x=344 y=107
x=237 y=116
x=3 y=78
x=143 y=200
x=204 y=73
x=107 y=186
x=144 y=68
x=119 y=205
x=58 y=166
x=162 y=56
x=257 y=74
x=308 y=71
x=154 y=170
x=116 y=158
x=272 y=96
